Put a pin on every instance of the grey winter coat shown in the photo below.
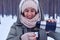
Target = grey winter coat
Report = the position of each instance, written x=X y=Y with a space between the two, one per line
x=17 y=30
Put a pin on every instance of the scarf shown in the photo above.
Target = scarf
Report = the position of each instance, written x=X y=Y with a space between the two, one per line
x=29 y=23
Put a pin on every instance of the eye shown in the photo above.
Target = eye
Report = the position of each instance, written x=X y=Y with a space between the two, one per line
x=26 y=10
x=32 y=10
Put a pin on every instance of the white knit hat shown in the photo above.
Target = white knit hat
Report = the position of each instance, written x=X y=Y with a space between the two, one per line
x=29 y=3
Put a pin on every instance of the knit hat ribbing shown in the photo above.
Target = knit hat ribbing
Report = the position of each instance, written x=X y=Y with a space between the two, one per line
x=29 y=3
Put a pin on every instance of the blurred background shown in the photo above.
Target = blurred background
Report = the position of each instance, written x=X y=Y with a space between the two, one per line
x=9 y=9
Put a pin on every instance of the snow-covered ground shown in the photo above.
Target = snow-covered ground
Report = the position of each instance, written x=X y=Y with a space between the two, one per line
x=6 y=23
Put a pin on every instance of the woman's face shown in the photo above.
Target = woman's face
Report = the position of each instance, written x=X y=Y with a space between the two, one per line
x=29 y=13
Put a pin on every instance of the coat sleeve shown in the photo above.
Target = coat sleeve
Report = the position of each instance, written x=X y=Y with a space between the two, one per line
x=43 y=35
x=12 y=34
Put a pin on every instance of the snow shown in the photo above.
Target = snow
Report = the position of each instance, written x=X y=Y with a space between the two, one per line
x=6 y=23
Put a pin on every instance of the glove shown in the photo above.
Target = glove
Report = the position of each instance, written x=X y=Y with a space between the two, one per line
x=29 y=36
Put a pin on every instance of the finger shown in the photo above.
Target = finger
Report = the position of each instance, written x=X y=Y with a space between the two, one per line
x=32 y=38
x=24 y=37
x=31 y=34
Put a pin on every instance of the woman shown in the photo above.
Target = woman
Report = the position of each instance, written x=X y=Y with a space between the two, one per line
x=29 y=15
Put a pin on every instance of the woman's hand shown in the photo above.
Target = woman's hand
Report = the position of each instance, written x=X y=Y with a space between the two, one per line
x=29 y=36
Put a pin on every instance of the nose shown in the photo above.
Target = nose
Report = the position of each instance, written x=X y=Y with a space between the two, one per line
x=29 y=13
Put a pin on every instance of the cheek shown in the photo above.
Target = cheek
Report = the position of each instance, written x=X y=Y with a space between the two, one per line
x=33 y=14
x=25 y=14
